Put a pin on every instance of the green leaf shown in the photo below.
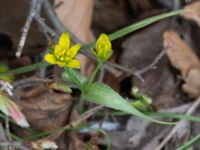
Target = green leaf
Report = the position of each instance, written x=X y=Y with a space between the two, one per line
x=102 y=94
x=174 y=116
x=157 y=114
x=24 y=69
x=82 y=78
x=60 y=87
x=74 y=77
x=143 y=23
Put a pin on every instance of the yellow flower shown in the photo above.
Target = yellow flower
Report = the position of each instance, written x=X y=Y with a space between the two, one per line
x=103 y=48
x=62 y=54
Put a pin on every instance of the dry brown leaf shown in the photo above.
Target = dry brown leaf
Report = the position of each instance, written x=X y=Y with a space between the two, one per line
x=181 y=55
x=192 y=85
x=76 y=15
x=184 y=59
x=44 y=108
x=195 y=13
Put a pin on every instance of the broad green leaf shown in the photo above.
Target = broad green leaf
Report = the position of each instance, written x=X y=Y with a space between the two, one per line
x=102 y=94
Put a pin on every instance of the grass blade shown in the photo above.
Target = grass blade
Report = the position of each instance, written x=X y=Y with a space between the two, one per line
x=143 y=23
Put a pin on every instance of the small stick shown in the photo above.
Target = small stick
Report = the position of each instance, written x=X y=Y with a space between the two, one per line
x=34 y=6
x=18 y=145
x=75 y=123
x=152 y=65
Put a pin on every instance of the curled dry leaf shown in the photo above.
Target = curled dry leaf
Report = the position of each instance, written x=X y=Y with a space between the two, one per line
x=9 y=108
x=44 y=108
x=184 y=59
x=180 y=54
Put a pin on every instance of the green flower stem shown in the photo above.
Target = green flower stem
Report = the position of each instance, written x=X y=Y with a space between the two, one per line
x=94 y=73
x=88 y=85
x=73 y=77
x=80 y=104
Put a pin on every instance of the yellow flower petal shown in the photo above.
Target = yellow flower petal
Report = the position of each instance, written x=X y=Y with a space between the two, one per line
x=103 y=47
x=60 y=64
x=58 y=51
x=50 y=58
x=73 y=50
x=74 y=63
x=64 y=40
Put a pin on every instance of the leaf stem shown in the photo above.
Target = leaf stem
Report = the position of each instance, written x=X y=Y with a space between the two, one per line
x=73 y=77
x=93 y=75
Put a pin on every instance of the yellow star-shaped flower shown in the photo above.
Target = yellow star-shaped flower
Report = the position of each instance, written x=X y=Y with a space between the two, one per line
x=62 y=54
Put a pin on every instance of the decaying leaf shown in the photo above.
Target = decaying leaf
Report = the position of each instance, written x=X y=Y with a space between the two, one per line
x=180 y=54
x=45 y=109
x=184 y=59
x=9 y=108
x=43 y=144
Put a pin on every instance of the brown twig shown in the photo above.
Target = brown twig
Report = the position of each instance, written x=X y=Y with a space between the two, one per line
x=18 y=145
x=34 y=7
x=152 y=65
x=3 y=136
x=75 y=123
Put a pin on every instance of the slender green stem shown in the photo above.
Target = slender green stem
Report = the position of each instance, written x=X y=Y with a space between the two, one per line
x=74 y=78
x=80 y=104
x=93 y=75
x=88 y=85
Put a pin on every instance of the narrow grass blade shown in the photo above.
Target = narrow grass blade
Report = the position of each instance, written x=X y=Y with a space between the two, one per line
x=24 y=69
x=143 y=23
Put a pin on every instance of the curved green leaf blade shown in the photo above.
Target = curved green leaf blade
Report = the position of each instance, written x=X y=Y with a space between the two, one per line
x=102 y=94
x=144 y=23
